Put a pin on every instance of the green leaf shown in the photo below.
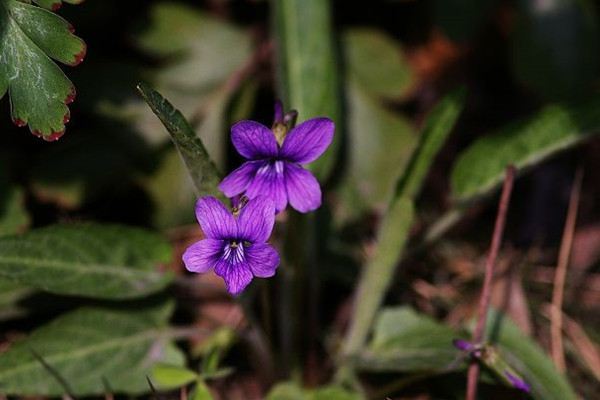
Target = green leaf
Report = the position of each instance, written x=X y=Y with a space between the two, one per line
x=10 y=295
x=88 y=348
x=307 y=67
x=203 y=50
x=555 y=47
x=480 y=168
x=406 y=341
x=108 y=262
x=527 y=358
x=436 y=130
x=376 y=62
x=201 y=391
x=13 y=215
x=373 y=131
x=394 y=230
x=166 y=376
x=291 y=391
x=30 y=37
x=204 y=174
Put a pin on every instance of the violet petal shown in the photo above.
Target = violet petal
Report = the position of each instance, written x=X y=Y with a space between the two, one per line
x=203 y=255
x=256 y=220
x=518 y=383
x=269 y=182
x=304 y=193
x=237 y=275
x=307 y=141
x=238 y=180
x=216 y=220
x=262 y=259
x=463 y=345
x=253 y=140
x=278 y=112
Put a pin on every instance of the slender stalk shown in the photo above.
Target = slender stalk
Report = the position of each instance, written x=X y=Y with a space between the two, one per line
x=486 y=292
x=558 y=293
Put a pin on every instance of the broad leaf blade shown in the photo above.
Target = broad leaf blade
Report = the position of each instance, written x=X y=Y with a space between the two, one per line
x=308 y=71
x=372 y=131
x=167 y=376
x=88 y=348
x=405 y=341
x=108 y=262
x=480 y=168
x=203 y=171
x=376 y=62
x=39 y=91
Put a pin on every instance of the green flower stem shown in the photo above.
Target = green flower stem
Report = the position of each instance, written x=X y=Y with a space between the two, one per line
x=394 y=231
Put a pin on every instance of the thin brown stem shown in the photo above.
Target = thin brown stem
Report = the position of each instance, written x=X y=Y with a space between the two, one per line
x=484 y=301
x=558 y=293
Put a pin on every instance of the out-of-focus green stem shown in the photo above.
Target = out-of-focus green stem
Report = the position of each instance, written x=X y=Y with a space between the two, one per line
x=307 y=68
x=395 y=227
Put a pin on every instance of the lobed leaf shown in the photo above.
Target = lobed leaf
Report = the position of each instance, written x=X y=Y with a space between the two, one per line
x=88 y=349
x=99 y=261
x=30 y=37
x=480 y=168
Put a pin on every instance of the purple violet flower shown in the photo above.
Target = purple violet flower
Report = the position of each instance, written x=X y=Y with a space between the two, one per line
x=517 y=382
x=235 y=246
x=274 y=166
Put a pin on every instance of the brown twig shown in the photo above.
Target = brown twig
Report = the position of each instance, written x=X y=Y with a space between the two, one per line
x=486 y=292
x=558 y=293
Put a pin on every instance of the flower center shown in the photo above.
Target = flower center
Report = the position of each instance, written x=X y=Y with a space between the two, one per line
x=234 y=252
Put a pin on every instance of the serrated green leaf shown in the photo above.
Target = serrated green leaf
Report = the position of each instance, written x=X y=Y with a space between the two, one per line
x=527 y=358
x=308 y=72
x=204 y=174
x=30 y=37
x=166 y=376
x=376 y=62
x=100 y=261
x=405 y=341
x=87 y=349
x=291 y=391
x=480 y=168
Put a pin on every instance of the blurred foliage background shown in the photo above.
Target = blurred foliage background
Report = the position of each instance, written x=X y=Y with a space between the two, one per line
x=530 y=69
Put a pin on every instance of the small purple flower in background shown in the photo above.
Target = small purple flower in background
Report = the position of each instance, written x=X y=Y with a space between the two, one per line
x=275 y=160
x=517 y=382
x=234 y=246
